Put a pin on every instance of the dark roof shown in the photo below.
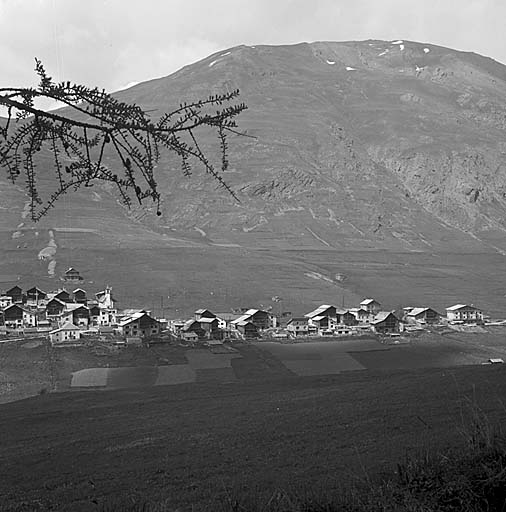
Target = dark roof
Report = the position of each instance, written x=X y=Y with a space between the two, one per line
x=14 y=288
x=297 y=319
x=35 y=289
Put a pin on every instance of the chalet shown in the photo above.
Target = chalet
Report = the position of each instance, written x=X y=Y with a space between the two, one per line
x=16 y=317
x=176 y=326
x=54 y=308
x=139 y=324
x=421 y=316
x=385 y=322
x=344 y=317
x=5 y=300
x=203 y=313
x=464 y=313
x=67 y=332
x=62 y=295
x=323 y=323
x=210 y=327
x=247 y=329
x=261 y=319
x=105 y=298
x=77 y=314
x=362 y=315
x=225 y=320
x=35 y=297
x=298 y=326
x=371 y=306
x=193 y=326
x=16 y=294
x=323 y=310
x=72 y=275
x=190 y=336
x=100 y=316
x=79 y=296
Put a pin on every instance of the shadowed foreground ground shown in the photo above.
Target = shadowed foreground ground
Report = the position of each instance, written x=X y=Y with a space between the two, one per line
x=199 y=444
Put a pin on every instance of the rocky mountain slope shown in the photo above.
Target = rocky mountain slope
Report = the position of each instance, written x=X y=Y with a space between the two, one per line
x=368 y=147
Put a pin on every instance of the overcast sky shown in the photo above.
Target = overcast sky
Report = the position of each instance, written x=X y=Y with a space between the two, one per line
x=114 y=43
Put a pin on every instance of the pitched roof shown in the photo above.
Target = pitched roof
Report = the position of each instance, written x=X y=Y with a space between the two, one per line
x=318 y=310
x=382 y=316
x=203 y=310
x=132 y=311
x=206 y=320
x=340 y=311
x=242 y=318
x=70 y=306
x=69 y=326
x=245 y=322
x=10 y=306
x=35 y=289
x=456 y=307
x=57 y=300
x=416 y=311
x=78 y=290
x=227 y=316
x=297 y=319
x=131 y=318
x=419 y=311
x=189 y=323
x=365 y=302
x=319 y=317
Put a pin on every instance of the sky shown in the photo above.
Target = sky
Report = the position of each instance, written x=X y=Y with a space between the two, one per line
x=112 y=44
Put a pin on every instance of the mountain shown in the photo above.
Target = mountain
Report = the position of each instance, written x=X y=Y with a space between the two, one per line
x=371 y=168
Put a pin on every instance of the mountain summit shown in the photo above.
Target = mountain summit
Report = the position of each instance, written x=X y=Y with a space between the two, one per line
x=352 y=148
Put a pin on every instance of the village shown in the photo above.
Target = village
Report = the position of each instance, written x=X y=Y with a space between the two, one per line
x=70 y=317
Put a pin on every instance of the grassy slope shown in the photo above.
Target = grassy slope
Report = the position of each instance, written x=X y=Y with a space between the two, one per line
x=201 y=444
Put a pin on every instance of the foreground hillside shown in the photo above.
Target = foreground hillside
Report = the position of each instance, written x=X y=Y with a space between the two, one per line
x=373 y=168
x=198 y=446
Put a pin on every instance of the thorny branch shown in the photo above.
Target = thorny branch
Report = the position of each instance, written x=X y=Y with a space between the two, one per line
x=77 y=142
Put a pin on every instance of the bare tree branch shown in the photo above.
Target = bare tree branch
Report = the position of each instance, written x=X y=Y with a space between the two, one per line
x=77 y=141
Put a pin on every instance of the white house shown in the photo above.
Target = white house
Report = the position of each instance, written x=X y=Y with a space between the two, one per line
x=16 y=317
x=105 y=298
x=5 y=300
x=298 y=326
x=371 y=306
x=464 y=313
x=421 y=316
x=67 y=332
x=139 y=324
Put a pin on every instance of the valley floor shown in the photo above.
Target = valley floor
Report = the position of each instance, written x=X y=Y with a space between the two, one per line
x=195 y=445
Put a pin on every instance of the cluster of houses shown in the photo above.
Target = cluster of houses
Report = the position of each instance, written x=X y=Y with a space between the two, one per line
x=66 y=315
x=326 y=320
